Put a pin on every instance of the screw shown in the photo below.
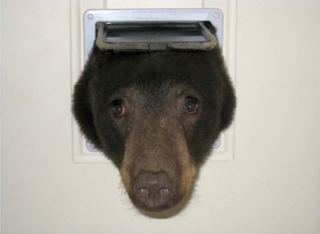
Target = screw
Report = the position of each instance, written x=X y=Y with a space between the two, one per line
x=90 y=16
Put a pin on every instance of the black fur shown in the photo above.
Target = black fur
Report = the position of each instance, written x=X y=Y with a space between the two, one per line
x=107 y=72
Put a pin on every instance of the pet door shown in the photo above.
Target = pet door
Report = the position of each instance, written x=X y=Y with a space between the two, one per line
x=156 y=29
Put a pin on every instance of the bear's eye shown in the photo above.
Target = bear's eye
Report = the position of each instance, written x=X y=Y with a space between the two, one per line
x=191 y=106
x=118 y=110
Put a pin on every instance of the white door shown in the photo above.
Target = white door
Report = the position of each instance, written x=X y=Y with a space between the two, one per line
x=272 y=185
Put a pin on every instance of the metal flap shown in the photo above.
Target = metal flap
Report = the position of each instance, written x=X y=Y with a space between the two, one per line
x=155 y=36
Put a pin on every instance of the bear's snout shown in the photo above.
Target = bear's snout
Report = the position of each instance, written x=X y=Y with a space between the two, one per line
x=153 y=191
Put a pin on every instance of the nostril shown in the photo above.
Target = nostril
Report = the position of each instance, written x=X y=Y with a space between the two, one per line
x=143 y=191
x=164 y=190
x=165 y=194
x=142 y=194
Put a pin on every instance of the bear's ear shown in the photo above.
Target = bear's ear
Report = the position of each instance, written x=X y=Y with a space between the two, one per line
x=228 y=107
x=81 y=109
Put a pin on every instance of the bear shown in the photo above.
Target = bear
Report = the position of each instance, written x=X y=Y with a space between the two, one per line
x=155 y=115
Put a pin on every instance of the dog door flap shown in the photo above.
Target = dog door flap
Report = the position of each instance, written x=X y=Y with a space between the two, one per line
x=156 y=36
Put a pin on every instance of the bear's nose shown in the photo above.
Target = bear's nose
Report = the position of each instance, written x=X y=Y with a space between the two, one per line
x=153 y=189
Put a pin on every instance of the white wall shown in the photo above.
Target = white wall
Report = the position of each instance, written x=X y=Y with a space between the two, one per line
x=273 y=186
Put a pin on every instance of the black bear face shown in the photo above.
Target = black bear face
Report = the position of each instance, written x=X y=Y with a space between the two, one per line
x=156 y=116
